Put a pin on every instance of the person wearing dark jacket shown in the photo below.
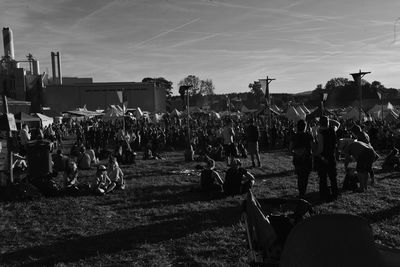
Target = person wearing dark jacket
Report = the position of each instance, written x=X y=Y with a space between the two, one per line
x=237 y=179
x=325 y=159
x=252 y=135
x=300 y=147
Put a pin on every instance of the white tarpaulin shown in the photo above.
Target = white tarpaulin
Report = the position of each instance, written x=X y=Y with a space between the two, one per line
x=45 y=120
x=292 y=114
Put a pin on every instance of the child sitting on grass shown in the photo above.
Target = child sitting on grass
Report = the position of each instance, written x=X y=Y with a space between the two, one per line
x=102 y=183
x=116 y=175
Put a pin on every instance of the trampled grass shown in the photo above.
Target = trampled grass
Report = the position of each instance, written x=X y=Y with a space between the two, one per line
x=160 y=221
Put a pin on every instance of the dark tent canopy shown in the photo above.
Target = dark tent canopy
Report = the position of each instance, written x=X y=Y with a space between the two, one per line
x=318 y=113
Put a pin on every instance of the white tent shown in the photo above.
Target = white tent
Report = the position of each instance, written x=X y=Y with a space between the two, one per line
x=376 y=111
x=113 y=113
x=388 y=114
x=138 y=113
x=354 y=114
x=244 y=109
x=301 y=112
x=215 y=115
x=176 y=113
x=276 y=109
x=305 y=109
x=292 y=114
x=45 y=120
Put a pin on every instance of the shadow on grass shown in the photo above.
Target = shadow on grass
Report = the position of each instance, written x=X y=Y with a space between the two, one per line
x=164 y=195
x=274 y=175
x=381 y=215
x=392 y=175
x=127 y=239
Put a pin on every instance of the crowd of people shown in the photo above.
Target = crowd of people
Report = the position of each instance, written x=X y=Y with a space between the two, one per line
x=314 y=145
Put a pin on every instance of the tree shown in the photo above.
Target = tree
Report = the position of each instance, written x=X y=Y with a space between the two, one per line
x=255 y=89
x=206 y=87
x=192 y=81
x=336 y=82
x=161 y=82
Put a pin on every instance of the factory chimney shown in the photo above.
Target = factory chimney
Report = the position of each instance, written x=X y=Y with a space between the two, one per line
x=53 y=67
x=56 y=67
x=8 y=43
x=59 y=68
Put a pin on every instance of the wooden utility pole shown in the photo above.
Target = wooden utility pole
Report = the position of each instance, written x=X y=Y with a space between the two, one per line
x=357 y=78
x=268 y=98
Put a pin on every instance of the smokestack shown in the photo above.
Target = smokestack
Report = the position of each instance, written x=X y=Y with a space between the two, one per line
x=53 y=67
x=59 y=68
x=35 y=67
x=8 y=43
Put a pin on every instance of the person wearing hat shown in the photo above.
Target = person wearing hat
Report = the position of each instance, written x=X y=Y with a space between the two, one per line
x=324 y=158
x=210 y=181
x=102 y=182
x=237 y=179
x=252 y=134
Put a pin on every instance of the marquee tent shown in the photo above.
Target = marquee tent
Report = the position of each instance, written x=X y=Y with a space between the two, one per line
x=301 y=112
x=45 y=120
x=389 y=115
x=23 y=118
x=305 y=109
x=175 y=113
x=292 y=114
x=318 y=112
x=112 y=113
x=138 y=113
x=354 y=114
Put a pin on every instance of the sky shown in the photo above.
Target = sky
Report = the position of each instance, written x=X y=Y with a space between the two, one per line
x=300 y=43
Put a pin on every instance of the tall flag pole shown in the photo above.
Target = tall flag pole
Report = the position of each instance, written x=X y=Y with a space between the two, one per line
x=357 y=78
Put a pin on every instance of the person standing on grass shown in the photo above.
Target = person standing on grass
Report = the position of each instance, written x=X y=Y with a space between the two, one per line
x=365 y=155
x=252 y=134
x=362 y=136
x=25 y=138
x=229 y=146
x=325 y=159
x=300 y=147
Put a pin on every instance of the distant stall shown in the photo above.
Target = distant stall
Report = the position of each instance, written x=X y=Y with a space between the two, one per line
x=24 y=118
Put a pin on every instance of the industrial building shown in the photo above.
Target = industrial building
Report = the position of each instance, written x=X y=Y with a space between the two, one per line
x=59 y=94
x=64 y=97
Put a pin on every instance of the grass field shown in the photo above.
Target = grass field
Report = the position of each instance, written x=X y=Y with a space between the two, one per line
x=160 y=221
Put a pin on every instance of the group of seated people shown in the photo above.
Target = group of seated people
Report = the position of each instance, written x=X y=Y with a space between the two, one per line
x=105 y=180
x=237 y=179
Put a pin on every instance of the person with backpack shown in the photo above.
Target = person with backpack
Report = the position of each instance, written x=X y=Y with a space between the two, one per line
x=210 y=181
x=237 y=179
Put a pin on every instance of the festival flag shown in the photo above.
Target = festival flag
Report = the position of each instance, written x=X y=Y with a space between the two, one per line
x=264 y=88
x=379 y=94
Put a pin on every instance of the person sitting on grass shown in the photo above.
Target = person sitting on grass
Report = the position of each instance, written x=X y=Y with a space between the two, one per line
x=237 y=179
x=59 y=161
x=210 y=181
x=71 y=176
x=392 y=161
x=102 y=183
x=116 y=175
x=84 y=159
